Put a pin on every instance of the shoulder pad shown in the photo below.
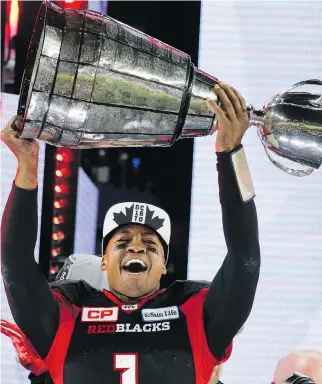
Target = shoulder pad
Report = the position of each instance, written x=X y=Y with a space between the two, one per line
x=72 y=290
x=187 y=288
x=193 y=286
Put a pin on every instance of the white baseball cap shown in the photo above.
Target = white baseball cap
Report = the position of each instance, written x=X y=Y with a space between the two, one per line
x=138 y=213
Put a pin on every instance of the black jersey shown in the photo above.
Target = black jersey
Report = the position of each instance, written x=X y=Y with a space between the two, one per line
x=158 y=340
x=86 y=336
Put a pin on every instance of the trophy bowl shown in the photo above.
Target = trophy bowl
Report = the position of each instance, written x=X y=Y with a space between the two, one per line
x=93 y=82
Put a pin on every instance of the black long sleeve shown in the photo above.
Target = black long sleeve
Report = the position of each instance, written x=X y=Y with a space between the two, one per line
x=227 y=304
x=31 y=301
x=232 y=291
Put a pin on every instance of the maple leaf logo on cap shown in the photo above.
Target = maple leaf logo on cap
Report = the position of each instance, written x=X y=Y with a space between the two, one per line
x=137 y=213
x=120 y=218
x=155 y=223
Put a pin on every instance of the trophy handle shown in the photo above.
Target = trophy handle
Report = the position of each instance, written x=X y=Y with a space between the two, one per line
x=299 y=84
x=294 y=172
x=278 y=97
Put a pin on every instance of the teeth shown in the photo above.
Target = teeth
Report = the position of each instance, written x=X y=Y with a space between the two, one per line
x=134 y=261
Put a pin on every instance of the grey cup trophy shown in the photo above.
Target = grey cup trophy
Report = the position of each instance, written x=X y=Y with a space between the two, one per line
x=91 y=81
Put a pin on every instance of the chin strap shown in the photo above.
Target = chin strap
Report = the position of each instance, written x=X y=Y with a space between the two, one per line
x=243 y=177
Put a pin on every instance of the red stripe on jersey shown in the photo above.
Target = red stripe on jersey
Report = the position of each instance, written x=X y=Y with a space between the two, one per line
x=204 y=361
x=57 y=354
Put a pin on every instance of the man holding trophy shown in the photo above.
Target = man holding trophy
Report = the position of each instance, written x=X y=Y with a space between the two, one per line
x=89 y=82
x=134 y=332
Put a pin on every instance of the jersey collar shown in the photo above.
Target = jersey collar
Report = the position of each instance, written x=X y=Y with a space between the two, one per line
x=127 y=307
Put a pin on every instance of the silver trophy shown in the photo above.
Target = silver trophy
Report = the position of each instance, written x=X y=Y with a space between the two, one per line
x=93 y=82
x=290 y=128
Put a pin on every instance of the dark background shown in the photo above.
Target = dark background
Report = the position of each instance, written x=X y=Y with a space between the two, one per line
x=164 y=175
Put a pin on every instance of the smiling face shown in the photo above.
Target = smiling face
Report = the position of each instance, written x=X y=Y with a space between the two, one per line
x=134 y=261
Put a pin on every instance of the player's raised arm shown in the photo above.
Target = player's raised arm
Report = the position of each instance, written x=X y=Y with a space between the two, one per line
x=231 y=294
x=32 y=303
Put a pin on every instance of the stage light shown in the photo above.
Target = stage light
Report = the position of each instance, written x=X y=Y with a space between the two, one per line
x=62 y=172
x=58 y=236
x=58 y=219
x=59 y=157
x=65 y=167
x=58 y=188
x=55 y=252
x=75 y=4
x=14 y=17
x=63 y=155
x=136 y=161
x=61 y=203
x=61 y=188
x=124 y=156
x=55 y=267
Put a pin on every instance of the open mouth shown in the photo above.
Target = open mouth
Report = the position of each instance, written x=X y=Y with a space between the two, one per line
x=134 y=266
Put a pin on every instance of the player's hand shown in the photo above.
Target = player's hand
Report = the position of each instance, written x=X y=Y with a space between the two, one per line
x=26 y=151
x=232 y=117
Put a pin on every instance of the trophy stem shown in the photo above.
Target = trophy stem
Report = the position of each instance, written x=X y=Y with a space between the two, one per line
x=256 y=117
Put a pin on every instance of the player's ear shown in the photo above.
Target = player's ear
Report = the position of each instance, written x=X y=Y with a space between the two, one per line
x=103 y=263
x=164 y=270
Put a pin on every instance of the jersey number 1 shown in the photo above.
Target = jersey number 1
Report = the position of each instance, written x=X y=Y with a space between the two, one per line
x=127 y=363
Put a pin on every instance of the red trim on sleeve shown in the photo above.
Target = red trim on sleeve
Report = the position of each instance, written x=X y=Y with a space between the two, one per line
x=58 y=351
x=204 y=361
